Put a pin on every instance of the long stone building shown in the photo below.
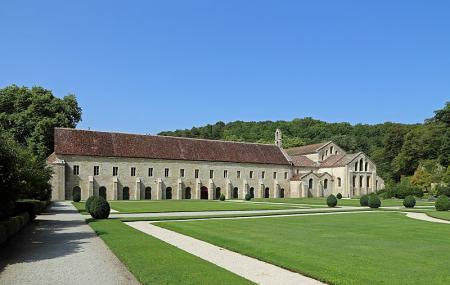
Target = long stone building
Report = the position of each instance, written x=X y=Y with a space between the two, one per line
x=122 y=166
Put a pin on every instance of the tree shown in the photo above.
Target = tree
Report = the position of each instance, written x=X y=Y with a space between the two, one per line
x=30 y=116
x=422 y=178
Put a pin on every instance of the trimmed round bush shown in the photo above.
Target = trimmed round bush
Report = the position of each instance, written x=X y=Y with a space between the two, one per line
x=222 y=197
x=332 y=201
x=76 y=197
x=88 y=204
x=374 y=201
x=364 y=200
x=248 y=197
x=99 y=208
x=409 y=201
x=339 y=196
x=442 y=203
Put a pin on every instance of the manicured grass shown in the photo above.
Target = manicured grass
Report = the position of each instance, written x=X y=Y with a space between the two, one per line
x=155 y=262
x=341 y=202
x=184 y=206
x=439 y=215
x=360 y=248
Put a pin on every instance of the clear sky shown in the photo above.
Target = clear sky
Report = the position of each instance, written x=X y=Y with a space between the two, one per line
x=148 y=66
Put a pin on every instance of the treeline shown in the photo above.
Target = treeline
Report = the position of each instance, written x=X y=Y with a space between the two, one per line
x=27 y=119
x=399 y=150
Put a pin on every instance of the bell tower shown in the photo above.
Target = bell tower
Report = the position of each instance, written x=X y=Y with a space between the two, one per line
x=278 y=138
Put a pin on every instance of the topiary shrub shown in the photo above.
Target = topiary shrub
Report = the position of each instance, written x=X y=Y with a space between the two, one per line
x=339 y=196
x=99 y=208
x=364 y=200
x=332 y=201
x=442 y=203
x=88 y=204
x=374 y=201
x=222 y=197
x=76 y=197
x=248 y=197
x=409 y=201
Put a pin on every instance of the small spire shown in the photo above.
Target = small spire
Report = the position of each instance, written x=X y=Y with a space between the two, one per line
x=278 y=139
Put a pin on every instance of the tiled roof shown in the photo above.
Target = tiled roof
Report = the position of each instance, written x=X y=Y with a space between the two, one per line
x=306 y=149
x=302 y=160
x=92 y=143
x=338 y=160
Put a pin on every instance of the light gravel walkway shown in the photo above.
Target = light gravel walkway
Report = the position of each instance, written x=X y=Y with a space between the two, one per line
x=425 y=217
x=250 y=268
x=60 y=248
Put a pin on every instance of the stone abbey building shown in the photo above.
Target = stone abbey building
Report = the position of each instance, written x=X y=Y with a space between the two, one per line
x=122 y=166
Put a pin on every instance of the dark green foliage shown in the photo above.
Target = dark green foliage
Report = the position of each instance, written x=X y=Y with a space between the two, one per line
x=401 y=190
x=12 y=225
x=339 y=196
x=332 y=201
x=99 y=208
x=409 y=201
x=442 y=203
x=87 y=205
x=374 y=201
x=364 y=200
x=443 y=190
x=248 y=197
x=76 y=197
x=222 y=197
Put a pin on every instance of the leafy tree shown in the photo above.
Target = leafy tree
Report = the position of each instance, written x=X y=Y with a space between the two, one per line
x=422 y=178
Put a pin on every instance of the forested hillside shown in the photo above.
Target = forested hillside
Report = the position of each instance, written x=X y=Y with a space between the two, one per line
x=398 y=149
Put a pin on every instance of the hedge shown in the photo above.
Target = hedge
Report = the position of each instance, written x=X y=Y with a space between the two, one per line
x=12 y=225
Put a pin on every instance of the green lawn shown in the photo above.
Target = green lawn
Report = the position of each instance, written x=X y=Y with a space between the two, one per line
x=184 y=206
x=341 y=202
x=439 y=215
x=363 y=248
x=155 y=262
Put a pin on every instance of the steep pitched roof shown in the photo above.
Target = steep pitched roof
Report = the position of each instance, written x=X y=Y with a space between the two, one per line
x=92 y=143
x=302 y=160
x=338 y=160
x=306 y=149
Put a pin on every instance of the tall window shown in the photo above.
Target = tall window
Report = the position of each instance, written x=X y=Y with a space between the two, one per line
x=285 y=175
x=368 y=181
x=251 y=174
x=166 y=172
x=361 y=165
x=263 y=174
x=96 y=170
x=133 y=171
x=354 y=181
x=225 y=174
x=196 y=173
x=331 y=150
x=356 y=166
x=238 y=174
x=325 y=184
x=339 y=182
x=211 y=174
x=181 y=172
x=150 y=172
x=366 y=166
x=360 y=181
x=275 y=175
x=76 y=170
x=115 y=170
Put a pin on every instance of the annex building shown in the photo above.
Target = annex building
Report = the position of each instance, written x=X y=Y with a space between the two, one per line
x=121 y=166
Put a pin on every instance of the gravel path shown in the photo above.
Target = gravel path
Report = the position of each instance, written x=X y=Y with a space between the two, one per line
x=250 y=268
x=425 y=217
x=60 y=248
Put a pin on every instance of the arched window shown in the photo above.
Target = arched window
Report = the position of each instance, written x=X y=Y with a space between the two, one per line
x=339 y=181
x=252 y=192
x=235 y=193
x=126 y=193
x=218 y=192
x=356 y=166
x=361 y=165
x=266 y=192
x=148 y=193
x=76 y=191
x=360 y=181
x=282 y=193
x=325 y=184
x=323 y=157
x=368 y=181
x=326 y=152
x=168 y=193
x=310 y=183
x=102 y=192
x=204 y=193
x=366 y=166
x=331 y=150
x=354 y=181
x=187 y=193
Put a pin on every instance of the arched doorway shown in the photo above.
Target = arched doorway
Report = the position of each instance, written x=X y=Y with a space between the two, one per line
x=204 y=193
x=282 y=193
x=126 y=193
x=168 y=193
x=102 y=192
x=187 y=193
x=235 y=193
x=76 y=191
x=148 y=193
x=218 y=193
x=310 y=184
x=267 y=192
x=252 y=192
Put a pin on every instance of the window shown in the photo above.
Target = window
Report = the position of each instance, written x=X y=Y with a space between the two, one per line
x=361 y=165
x=263 y=174
x=133 y=171
x=251 y=174
x=356 y=166
x=368 y=181
x=310 y=183
x=76 y=170
x=181 y=172
x=274 y=175
x=286 y=175
x=360 y=181
x=323 y=156
x=331 y=150
x=115 y=170
x=325 y=184
x=238 y=174
x=366 y=166
x=211 y=174
x=150 y=172
x=339 y=182
x=354 y=181
x=96 y=170
x=326 y=152
x=166 y=172
x=225 y=174
x=196 y=173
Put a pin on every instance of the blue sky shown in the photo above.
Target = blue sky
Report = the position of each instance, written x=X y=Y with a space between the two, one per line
x=148 y=66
